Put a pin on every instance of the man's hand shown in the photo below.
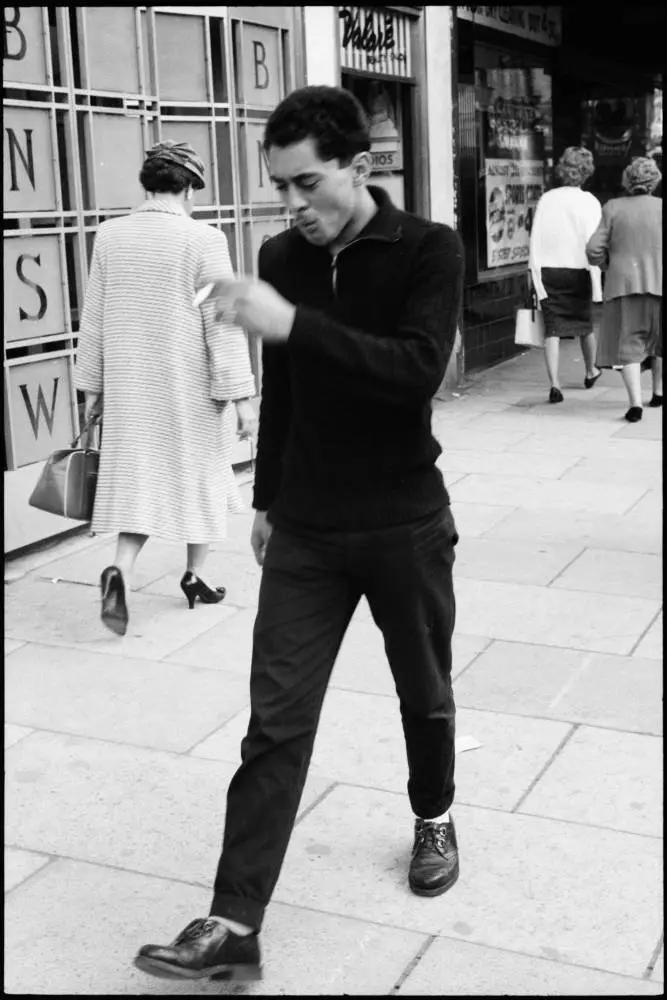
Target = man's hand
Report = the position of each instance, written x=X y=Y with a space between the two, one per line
x=256 y=306
x=246 y=420
x=259 y=536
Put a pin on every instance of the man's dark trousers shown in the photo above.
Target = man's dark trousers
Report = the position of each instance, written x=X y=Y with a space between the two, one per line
x=311 y=585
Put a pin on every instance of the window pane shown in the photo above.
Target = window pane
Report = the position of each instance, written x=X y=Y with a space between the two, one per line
x=225 y=163
x=259 y=58
x=40 y=406
x=111 y=39
x=257 y=188
x=28 y=181
x=119 y=154
x=24 y=58
x=181 y=57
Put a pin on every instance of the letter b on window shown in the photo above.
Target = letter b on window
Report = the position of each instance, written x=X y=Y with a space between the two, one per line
x=15 y=42
x=261 y=71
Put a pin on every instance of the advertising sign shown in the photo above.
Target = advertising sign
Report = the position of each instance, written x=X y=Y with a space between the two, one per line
x=513 y=188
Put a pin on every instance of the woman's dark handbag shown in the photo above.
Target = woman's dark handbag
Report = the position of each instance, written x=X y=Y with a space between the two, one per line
x=68 y=481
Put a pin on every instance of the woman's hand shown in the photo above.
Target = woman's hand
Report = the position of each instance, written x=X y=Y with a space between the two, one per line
x=246 y=420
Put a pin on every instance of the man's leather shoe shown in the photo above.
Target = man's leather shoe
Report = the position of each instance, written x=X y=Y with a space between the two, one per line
x=205 y=949
x=435 y=858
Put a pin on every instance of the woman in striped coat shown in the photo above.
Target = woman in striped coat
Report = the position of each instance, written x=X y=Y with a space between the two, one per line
x=164 y=373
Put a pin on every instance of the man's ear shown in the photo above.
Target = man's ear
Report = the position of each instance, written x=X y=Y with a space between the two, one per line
x=362 y=167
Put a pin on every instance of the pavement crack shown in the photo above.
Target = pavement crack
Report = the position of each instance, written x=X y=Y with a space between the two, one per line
x=412 y=965
x=538 y=777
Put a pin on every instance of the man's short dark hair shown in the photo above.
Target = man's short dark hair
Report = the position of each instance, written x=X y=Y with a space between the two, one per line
x=331 y=116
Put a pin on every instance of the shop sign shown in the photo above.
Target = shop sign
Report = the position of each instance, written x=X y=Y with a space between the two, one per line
x=539 y=24
x=27 y=156
x=513 y=189
x=23 y=57
x=33 y=299
x=40 y=404
x=375 y=40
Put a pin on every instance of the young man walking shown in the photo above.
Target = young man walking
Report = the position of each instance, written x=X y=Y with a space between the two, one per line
x=357 y=307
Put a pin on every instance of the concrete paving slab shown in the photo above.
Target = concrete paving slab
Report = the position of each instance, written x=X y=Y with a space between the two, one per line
x=604 y=778
x=650 y=646
x=457 y=968
x=649 y=428
x=504 y=464
x=649 y=508
x=545 y=495
x=593 y=470
x=20 y=865
x=14 y=733
x=629 y=574
x=619 y=533
x=557 y=617
x=18 y=566
x=130 y=701
x=147 y=810
x=304 y=953
x=511 y=562
x=227 y=646
x=584 y=445
x=70 y=616
x=474 y=519
x=463 y=438
x=156 y=559
x=12 y=644
x=591 y=688
x=547 y=420
x=237 y=572
x=512 y=754
x=526 y=883
x=658 y=974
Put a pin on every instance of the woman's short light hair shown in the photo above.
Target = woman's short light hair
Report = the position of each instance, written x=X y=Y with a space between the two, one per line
x=575 y=166
x=641 y=176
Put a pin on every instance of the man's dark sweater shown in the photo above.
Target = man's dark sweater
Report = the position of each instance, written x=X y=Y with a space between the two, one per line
x=345 y=438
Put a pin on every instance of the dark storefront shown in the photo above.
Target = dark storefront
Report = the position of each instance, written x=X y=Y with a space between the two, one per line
x=531 y=81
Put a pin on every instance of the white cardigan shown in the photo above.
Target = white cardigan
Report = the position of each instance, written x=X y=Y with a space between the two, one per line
x=564 y=221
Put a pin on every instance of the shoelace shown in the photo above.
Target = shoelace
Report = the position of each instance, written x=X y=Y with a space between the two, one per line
x=432 y=835
x=197 y=929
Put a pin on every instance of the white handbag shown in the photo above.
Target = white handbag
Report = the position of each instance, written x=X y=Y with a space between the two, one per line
x=529 y=328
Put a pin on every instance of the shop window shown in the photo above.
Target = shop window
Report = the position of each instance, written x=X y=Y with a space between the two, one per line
x=514 y=154
x=387 y=104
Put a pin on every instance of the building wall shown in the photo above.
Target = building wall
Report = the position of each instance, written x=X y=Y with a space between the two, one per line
x=87 y=91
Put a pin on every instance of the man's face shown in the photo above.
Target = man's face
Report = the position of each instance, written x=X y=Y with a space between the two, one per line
x=320 y=194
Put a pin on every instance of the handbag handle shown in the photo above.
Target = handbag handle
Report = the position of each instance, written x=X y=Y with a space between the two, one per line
x=94 y=419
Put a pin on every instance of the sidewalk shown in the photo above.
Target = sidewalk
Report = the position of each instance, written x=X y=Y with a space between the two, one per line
x=120 y=750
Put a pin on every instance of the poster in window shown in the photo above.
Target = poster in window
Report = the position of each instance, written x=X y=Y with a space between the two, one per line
x=514 y=123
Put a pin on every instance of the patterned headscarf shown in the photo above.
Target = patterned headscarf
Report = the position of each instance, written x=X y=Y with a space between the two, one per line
x=641 y=176
x=182 y=154
x=575 y=166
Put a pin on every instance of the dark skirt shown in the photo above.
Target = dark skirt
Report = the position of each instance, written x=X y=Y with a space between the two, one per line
x=567 y=309
x=631 y=330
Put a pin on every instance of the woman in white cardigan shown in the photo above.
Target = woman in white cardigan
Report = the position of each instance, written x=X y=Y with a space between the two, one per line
x=165 y=374
x=628 y=245
x=564 y=281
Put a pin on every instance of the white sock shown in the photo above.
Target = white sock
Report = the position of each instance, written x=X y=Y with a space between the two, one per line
x=240 y=929
x=438 y=819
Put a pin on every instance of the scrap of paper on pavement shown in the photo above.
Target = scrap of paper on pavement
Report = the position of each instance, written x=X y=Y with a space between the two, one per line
x=463 y=743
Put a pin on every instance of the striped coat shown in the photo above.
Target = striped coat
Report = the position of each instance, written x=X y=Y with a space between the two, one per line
x=165 y=467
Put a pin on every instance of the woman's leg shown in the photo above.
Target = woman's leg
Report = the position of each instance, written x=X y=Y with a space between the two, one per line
x=633 y=384
x=657 y=376
x=588 y=349
x=128 y=547
x=197 y=555
x=551 y=356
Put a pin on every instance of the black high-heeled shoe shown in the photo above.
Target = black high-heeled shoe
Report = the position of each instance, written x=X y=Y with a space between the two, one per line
x=194 y=588
x=114 y=605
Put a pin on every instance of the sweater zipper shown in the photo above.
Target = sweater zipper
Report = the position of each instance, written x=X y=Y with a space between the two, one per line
x=334 y=260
